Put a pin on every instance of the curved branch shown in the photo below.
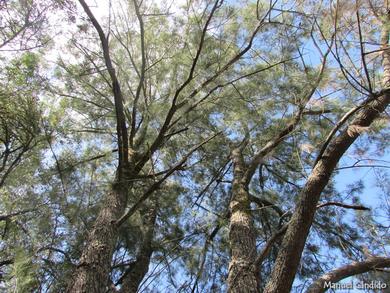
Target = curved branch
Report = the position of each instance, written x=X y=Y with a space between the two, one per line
x=338 y=125
x=343 y=205
x=265 y=203
x=117 y=92
x=55 y=249
x=277 y=139
x=352 y=269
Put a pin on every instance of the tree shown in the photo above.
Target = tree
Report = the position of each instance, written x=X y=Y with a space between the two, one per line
x=298 y=229
x=200 y=139
x=20 y=113
x=22 y=24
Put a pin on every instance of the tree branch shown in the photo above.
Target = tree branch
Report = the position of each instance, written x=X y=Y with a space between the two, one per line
x=267 y=247
x=265 y=203
x=346 y=271
x=123 y=148
x=142 y=74
x=157 y=184
x=273 y=143
x=362 y=54
x=290 y=253
x=11 y=215
x=343 y=205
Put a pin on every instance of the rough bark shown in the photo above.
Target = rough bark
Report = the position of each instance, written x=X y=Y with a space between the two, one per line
x=92 y=272
x=242 y=277
x=346 y=271
x=243 y=271
x=289 y=255
x=137 y=271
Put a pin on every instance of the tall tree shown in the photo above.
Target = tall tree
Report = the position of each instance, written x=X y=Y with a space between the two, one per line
x=192 y=147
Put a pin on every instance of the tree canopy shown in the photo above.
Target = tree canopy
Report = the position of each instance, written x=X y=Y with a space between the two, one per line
x=193 y=146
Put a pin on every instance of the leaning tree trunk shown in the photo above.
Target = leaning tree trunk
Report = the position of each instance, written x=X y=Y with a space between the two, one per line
x=242 y=277
x=289 y=255
x=92 y=273
x=294 y=241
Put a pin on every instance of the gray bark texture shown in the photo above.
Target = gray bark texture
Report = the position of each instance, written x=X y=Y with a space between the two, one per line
x=92 y=272
x=242 y=277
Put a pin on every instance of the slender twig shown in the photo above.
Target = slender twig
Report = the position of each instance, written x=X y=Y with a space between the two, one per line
x=362 y=50
x=133 y=128
x=343 y=205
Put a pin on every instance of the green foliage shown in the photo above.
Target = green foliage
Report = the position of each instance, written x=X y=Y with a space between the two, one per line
x=20 y=113
x=58 y=135
x=23 y=275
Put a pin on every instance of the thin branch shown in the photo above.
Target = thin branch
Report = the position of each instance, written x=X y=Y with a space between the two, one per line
x=362 y=50
x=208 y=242
x=316 y=112
x=65 y=254
x=157 y=184
x=265 y=203
x=343 y=205
x=267 y=247
x=276 y=174
x=123 y=148
x=273 y=143
x=340 y=123
x=133 y=128
x=363 y=166
x=222 y=85
x=221 y=172
x=347 y=75
x=14 y=214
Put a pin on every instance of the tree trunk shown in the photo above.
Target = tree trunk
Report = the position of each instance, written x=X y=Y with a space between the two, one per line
x=242 y=277
x=92 y=273
x=294 y=241
x=136 y=273
x=290 y=253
